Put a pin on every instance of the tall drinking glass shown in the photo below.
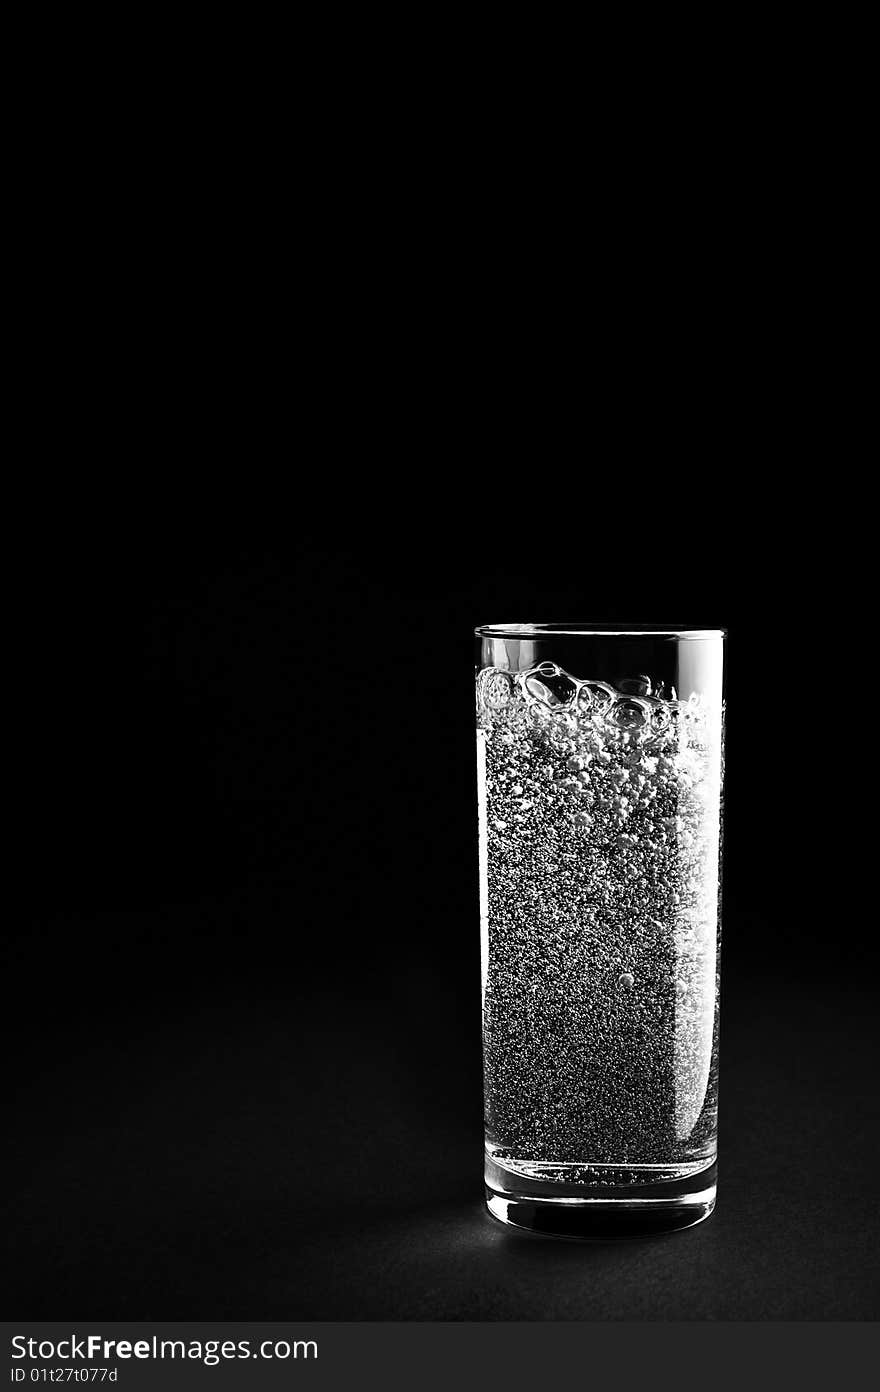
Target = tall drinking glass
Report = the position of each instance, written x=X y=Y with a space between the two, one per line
x=600 y=768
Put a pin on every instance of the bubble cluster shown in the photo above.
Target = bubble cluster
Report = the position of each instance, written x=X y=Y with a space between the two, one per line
x=600 y=873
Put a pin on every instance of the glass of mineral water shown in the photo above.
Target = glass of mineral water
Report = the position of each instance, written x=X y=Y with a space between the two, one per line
x=600 y=756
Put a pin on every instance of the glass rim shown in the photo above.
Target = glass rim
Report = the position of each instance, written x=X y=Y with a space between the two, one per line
x=593 y=630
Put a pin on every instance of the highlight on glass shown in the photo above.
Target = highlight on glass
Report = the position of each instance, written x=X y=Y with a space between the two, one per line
x=600 y=758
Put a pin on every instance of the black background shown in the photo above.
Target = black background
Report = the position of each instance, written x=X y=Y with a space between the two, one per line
x=243 y=975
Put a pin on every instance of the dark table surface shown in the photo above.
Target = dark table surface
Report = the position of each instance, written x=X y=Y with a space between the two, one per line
x=236 y=1141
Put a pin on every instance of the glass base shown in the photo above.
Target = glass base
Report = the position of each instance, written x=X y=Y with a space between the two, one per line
x=598 y=1212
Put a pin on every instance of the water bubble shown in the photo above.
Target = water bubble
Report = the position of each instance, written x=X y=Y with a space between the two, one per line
x=660 y=718
x=540 y=691
x=626 y=980
x=629 y=714
x=553 y=687
x=540 y=717
x=561 y=726
x=601 y=694
x=636 y=686
x=496 y=690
